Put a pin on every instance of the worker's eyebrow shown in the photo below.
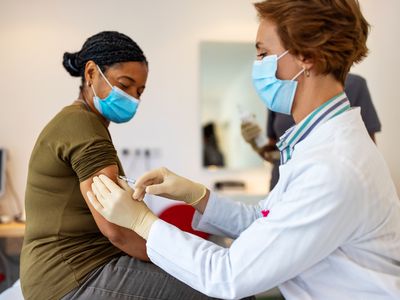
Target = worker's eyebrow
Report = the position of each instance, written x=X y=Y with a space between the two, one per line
x=261 y=46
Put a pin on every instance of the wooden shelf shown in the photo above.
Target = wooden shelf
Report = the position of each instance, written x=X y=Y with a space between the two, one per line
x=12 y=230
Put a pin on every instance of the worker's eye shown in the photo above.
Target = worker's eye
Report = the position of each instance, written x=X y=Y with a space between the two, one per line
x=262 y=55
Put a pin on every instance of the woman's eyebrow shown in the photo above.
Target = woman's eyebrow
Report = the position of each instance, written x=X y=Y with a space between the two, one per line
x=127 y=77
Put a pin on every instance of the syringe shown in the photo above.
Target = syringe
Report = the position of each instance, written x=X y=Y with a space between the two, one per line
x=127 y=179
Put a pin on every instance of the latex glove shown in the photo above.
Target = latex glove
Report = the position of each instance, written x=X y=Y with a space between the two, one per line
x=116 y=205
x=167 y=184
x=250 y=131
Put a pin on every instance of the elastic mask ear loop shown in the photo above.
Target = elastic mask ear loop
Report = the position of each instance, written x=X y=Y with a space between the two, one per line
x=283 y=54
x=298 y=74
x=94 y=92
x=105 y=78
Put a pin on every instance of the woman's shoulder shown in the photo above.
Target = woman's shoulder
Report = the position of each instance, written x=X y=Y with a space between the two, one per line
x=77 y=112
x=75 y=121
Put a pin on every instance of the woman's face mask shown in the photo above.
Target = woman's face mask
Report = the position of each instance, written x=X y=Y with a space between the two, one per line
x=277 y=94
x=118 y=106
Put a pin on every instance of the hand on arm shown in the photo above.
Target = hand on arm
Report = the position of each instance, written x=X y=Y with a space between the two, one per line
x=122 y=238
x=117 y=206
x=115 y=202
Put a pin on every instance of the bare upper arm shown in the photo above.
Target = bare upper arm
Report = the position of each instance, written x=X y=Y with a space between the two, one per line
x=125 y=239
x=108 y=229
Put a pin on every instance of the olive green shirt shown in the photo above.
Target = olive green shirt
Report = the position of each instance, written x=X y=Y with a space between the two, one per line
x=62 y=241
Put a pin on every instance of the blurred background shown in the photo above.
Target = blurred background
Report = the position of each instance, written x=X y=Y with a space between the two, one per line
x=181 y=39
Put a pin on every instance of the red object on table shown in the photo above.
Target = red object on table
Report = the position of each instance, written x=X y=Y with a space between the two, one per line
x=181 y=216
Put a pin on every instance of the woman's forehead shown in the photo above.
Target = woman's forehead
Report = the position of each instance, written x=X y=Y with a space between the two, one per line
x=267 y=35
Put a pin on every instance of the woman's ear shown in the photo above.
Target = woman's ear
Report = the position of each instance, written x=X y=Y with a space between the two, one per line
x=305 y=63
x=90 y=72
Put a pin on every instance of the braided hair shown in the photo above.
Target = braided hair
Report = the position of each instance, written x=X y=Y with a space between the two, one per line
x=105 y=49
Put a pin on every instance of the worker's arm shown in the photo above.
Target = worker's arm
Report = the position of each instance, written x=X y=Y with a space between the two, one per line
x=230 y=219
x=125 y=239
x=317 y=213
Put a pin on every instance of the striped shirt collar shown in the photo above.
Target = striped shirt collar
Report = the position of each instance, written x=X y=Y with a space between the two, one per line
x=330 y=109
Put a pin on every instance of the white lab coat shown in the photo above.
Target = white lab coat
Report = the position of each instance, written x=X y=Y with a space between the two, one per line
x=333 y=231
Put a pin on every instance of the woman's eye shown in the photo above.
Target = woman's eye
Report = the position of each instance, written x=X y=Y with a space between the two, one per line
x=123 y=85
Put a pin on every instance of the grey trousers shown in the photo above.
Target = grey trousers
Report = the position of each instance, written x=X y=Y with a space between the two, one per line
x=127 y=278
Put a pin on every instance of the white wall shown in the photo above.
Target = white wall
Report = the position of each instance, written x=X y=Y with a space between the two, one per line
x=382 y=69
x=34 y=85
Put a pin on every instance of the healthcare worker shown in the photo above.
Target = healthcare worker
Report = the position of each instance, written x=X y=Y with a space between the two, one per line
x=331 y=227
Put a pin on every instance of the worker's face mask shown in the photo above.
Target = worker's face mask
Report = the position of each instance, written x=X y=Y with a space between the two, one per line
x=277 y=94
x=118 y=106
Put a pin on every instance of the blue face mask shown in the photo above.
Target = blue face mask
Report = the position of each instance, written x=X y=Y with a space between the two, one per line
x=118 y=106
x=277 y=94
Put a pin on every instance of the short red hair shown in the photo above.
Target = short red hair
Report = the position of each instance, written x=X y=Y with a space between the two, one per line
x=331 y=33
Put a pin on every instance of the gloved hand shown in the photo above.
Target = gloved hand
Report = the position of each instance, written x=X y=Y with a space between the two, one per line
x=250 y=131
x=164 y=183
x=116 y=205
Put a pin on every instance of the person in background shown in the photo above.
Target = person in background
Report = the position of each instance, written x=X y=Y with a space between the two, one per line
x=70 y=251
x=359 y=96
x=212 y=155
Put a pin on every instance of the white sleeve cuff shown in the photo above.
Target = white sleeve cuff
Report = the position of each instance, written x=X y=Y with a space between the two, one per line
x=225 y=217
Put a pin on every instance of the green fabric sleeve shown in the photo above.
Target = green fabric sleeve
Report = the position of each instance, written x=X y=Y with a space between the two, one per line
x=85 y=143
x=92 y=155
